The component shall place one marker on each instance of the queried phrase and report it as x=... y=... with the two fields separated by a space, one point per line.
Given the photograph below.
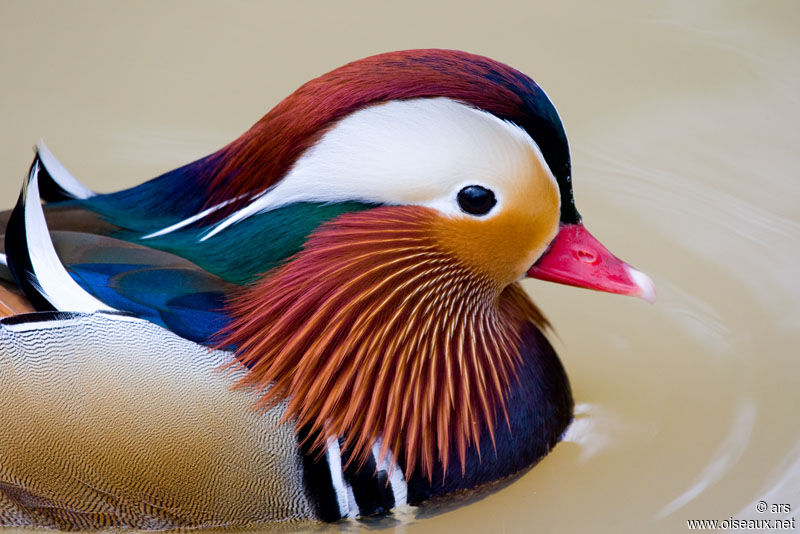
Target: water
x=682 y=118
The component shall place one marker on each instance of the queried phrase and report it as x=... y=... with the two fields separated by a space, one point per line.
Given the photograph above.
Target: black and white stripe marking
x=369 y=490
x=41 y=320
x=346 y=491
x=388 y=465
x=33 y=261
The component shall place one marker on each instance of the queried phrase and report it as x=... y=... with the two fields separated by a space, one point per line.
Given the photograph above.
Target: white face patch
x=407 y=152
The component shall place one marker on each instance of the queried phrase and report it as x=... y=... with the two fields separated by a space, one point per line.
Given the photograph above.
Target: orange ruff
x=372 y=330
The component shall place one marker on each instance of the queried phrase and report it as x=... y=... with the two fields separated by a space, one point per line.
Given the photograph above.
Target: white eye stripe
x=417 y=152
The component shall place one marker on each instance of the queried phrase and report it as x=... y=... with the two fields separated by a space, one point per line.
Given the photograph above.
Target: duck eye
x=476 y=200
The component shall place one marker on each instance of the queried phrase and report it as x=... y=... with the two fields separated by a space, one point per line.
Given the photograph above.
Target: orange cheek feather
x=504 y=246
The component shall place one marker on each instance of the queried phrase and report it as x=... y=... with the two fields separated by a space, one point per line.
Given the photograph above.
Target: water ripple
x=728 y=453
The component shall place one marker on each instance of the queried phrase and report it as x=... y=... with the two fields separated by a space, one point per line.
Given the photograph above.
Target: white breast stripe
x=52 y=279
x=351 y=501
x=340 y=486
x=3 y=259
x=61 y=175
x=396 y=479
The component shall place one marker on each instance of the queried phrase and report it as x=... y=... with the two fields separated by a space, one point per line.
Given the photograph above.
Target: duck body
x=319 y=321
x=108 y=432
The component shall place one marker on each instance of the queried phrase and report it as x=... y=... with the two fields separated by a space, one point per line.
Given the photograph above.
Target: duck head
x=402 y=320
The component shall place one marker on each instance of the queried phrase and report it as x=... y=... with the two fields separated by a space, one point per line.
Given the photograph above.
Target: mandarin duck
x=321 y=320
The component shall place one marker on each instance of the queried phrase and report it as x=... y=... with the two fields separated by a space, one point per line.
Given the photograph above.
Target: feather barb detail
x=373 y=331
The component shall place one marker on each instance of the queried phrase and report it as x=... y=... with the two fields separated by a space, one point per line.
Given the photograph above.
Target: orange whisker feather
x=373 y=331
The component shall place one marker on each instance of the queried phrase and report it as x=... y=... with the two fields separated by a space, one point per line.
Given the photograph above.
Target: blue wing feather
x=160 y=202
x=176 y=280
x=185 y=301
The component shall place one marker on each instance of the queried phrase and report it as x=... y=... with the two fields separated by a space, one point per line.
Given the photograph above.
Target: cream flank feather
x=106 y=431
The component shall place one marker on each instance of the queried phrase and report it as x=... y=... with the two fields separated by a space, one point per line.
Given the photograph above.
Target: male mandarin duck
x=321 y=320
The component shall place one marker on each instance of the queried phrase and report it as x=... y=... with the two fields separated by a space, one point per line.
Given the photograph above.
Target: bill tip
x=645 y=284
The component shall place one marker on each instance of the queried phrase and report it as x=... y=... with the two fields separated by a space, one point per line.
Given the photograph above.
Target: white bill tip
x=645 y=283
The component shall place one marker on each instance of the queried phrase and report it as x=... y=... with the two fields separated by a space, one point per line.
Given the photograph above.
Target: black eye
x=476 y=200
